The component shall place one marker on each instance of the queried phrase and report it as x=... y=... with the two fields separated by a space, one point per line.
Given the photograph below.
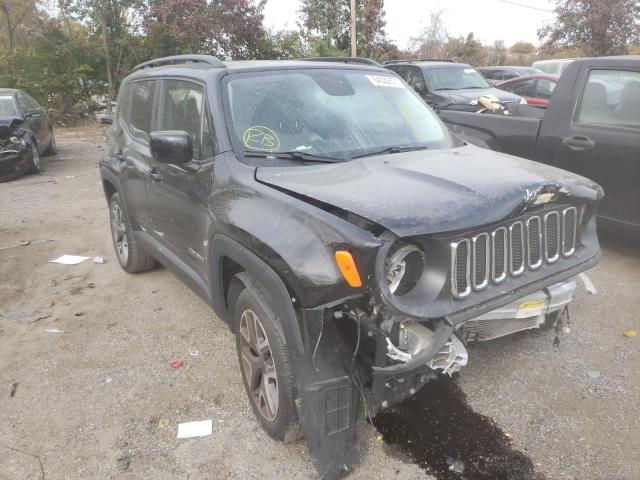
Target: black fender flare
x=287 y=323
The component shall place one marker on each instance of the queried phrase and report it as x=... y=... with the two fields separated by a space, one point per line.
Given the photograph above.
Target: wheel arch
x=233 y=268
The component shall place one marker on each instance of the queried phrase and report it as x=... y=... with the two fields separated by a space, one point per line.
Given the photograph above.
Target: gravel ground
x=101 y=401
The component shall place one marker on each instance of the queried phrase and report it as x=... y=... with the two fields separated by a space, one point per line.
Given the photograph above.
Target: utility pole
x=354 y=52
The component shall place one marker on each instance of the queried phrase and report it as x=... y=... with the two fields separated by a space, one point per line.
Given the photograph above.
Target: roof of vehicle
x=200 y=69
x=428 y=63
x=548 y=76
x=8 y=91
x=512 y=67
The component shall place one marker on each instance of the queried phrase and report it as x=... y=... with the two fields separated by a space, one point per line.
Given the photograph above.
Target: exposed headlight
x=16 y=140
x=403 y=268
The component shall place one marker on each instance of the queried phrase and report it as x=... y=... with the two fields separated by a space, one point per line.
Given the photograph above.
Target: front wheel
x=52 y=149
x=266 y=367
x=131 y=256
x=35 y=158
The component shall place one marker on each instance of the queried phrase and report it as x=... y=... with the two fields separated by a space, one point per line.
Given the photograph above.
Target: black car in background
x=446 y=84
x=591 y=127
x=498 y=74
x=25 y=134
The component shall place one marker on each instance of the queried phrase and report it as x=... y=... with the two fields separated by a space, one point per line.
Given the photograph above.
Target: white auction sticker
x=385 y=81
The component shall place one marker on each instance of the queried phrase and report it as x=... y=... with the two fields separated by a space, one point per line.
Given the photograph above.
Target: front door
x=34 y=119
x=602 y=142
x=179 y=194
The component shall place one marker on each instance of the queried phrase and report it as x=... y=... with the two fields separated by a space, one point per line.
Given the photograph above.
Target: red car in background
x=536 y=89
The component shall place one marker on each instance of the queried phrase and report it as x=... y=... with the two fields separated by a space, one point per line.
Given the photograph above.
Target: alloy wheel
x=36 y=156
x=258 y=365
x=119 y=233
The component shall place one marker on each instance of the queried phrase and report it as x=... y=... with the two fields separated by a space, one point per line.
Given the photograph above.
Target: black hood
x=8 y=126
x=469 y=95
x=425 y=192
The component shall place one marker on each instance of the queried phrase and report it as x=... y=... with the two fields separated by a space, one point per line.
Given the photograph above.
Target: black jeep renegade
x=351 y=242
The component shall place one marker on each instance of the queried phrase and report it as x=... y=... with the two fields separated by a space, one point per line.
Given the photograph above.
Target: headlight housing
x=403 y=267
x=16 y=140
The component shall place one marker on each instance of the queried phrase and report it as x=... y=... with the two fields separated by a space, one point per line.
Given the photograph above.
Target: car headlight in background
x=403 y=268
x=523 y=101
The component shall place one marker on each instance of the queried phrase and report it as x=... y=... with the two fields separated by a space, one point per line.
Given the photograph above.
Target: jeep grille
x=489 y=257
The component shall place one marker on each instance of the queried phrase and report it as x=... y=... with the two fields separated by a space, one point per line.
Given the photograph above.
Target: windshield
x=8 y=106
x=340 y=114
x=454 y=78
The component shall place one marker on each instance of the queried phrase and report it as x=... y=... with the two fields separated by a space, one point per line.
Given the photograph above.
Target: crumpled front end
x=15 y=151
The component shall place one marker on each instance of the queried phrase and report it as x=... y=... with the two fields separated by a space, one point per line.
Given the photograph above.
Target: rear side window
x=124 y=103
x=182 y=107
x=611 y=97
x=525 y=88
x=545 y=88
x=141 y=109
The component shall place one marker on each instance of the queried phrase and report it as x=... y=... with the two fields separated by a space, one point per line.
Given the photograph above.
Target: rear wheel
x=130 y=255
x=266 y=367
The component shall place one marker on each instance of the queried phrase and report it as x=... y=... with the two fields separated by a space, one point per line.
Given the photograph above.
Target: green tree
x=523 y=48
x=597 y=27
x=327 y=26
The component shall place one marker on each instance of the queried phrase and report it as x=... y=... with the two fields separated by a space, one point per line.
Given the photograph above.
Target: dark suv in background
x=328 y=216
x=446 y=84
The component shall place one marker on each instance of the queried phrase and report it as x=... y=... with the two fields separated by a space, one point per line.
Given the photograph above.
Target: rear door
x=602 y=139
x=136 y=117
x=179 y=194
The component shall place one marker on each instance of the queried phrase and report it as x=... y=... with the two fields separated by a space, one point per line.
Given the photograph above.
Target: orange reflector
x=348 y=268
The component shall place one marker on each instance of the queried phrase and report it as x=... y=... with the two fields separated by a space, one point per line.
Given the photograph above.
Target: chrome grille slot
x=516 y=248
x=534 y=242
x=569 y=230
x=460 y=269
x=551 y=236
x=500 y=256
x=508 y=250
x=481 y=261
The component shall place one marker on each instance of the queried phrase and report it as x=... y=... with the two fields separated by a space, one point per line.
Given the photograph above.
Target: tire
x=131 y=257
x=52 y=149
x=281 y=422
x=36 y=165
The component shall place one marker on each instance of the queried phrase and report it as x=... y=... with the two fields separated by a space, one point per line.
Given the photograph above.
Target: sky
x=489 y=20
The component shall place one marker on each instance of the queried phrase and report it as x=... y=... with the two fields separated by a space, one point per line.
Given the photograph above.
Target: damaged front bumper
x=14 y=159
x=421 y=353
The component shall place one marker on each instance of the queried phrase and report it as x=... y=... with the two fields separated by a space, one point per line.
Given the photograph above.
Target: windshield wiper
x=393 y=149
x=294 y=155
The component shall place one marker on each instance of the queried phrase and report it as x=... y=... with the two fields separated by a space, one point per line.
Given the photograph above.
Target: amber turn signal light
x=348 y=268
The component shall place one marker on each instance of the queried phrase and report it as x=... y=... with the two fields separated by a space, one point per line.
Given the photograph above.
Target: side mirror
x=32 y=112
x=171 y=146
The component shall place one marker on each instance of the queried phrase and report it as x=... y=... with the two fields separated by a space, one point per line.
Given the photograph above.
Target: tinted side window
x=545 y=88
x=124 y=103
x=22 y=102
x=525 y=87
x=509 y=74
x=141 y=108
x=611 y=97
x=402 y=71
x=31 y=103
x=415 y=78
x=181 y=107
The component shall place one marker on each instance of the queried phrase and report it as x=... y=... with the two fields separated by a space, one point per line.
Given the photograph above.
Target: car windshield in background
x=454 y=78
x=338 y=114
x=7 y=106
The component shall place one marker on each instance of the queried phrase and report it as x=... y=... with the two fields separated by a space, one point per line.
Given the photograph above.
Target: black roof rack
x=411 y=60
x=208 y=59
x=359 y=60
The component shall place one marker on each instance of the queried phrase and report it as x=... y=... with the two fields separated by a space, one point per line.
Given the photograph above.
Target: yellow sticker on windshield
x=261 y=138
